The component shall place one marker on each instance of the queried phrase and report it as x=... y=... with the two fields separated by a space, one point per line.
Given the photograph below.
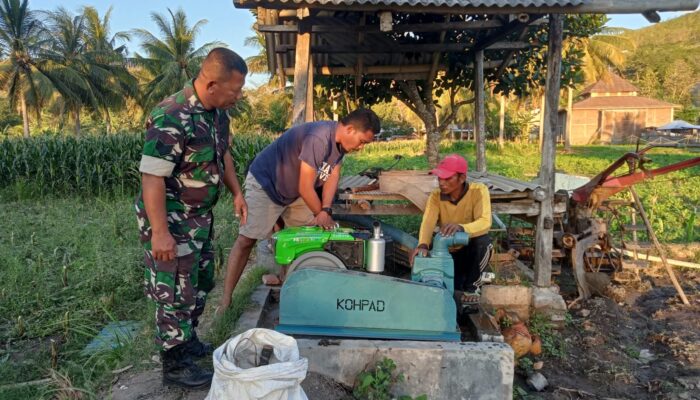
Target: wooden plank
x=545 y=220
x=479 y=111
x=301 y=78
x=414 y=187
x=377 y=209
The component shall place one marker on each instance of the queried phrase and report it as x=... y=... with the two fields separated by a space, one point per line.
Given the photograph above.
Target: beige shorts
x=263 y=212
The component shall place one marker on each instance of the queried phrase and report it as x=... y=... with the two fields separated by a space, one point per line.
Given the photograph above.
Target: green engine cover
x=331 y=302
x=290 y=243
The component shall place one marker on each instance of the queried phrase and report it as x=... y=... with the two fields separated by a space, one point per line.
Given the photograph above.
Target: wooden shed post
x=479 y=114
x=569 y=119
x=545 y=221
x=301 y=77
x=501 y=119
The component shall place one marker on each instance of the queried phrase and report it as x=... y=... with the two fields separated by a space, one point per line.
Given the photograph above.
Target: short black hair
x=363 y=119
x=228 y=59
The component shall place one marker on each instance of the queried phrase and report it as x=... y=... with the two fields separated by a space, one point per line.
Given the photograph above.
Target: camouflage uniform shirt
x=185 y=144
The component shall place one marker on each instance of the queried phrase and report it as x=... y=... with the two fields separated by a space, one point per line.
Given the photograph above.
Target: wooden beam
x=479 y=112
x=387 y=69
x=588 y=7
x=545 y=220
x=501 y=33
x=309 y=113
x=403 y=48
x=400 y=28
x=301 y=78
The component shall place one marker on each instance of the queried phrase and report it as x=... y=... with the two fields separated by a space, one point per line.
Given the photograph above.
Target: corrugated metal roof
x=441 y=3
x=349 y=182
x=495 y=183
x=613 y=102
x=501 y=183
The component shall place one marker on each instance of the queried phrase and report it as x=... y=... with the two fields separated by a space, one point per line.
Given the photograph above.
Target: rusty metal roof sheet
x=444 y=3
x=495 y=183
x=349 y=182
x=503 y=184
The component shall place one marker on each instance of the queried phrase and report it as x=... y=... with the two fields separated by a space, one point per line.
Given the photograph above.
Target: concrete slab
x=441 y=370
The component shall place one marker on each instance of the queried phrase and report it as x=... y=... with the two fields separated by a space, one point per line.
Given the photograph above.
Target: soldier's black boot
x=197 y=348
x=180 y=370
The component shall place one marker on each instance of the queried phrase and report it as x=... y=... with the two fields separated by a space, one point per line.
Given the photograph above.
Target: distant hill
x=664 y=48
x=659 y=44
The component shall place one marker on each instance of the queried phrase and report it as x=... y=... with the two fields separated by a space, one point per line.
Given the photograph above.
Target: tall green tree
x=108 y=51
x=604 y=53
x=20 y=42
x=421 y=96
x=257 y=64
x=172 y=59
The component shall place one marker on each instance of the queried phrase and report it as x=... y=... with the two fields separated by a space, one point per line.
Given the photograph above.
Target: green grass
x=224 y=326
x=69 y=266
x=672 y=200
x=71 y=261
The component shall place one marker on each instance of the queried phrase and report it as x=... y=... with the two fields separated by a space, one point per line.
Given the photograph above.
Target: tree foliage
x=526 y=75
x=171 y=59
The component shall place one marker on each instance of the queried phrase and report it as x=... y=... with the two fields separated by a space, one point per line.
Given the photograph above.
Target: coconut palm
x=103 y=49
x=605 y=53
x=95 y=79
x=20 y=41
x=98 y=38
x=172 y=59
x=257 y=64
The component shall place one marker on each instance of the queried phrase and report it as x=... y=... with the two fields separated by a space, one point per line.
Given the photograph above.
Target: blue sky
x=226 y=23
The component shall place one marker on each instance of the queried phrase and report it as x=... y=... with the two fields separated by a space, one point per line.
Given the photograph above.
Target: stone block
x=511 y=298
x=548 y=301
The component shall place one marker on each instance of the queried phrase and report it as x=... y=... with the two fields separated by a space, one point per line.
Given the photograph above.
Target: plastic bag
x=237 y=376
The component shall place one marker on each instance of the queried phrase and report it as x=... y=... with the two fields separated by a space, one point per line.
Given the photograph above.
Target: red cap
x=450 y=165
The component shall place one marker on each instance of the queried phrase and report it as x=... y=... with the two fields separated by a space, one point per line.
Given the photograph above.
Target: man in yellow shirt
x=459 y=206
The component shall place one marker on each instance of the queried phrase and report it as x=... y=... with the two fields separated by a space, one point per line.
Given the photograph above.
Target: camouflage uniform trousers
x=179 y=289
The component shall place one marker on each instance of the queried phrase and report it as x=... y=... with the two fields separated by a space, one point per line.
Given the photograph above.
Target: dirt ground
x=641 y=342
x=638 y=342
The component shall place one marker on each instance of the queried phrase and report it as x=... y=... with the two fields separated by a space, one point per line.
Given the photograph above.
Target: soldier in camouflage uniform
x=184 y=166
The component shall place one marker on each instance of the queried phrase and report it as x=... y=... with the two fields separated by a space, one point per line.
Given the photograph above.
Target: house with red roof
x=611 y=111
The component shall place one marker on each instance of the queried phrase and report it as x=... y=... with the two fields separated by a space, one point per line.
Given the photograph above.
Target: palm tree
x=605 y=53
x=65 y=64
x=171 y=60
x=257 y=64
x=82 y=69
x=97 y=35
x=102 y=49
x=20 y=41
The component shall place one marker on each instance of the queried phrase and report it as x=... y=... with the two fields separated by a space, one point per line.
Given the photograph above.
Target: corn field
x=89 y=165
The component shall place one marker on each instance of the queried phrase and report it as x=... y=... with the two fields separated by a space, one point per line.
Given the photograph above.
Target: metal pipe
x=441 y=243
x=396 y=234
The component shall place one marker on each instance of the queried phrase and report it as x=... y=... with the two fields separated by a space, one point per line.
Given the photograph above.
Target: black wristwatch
x=328 y=210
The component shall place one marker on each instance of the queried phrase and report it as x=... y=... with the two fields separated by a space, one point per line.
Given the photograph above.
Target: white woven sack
x=276 y=381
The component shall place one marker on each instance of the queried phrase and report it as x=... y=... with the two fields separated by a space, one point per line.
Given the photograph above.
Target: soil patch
x=644 y=344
